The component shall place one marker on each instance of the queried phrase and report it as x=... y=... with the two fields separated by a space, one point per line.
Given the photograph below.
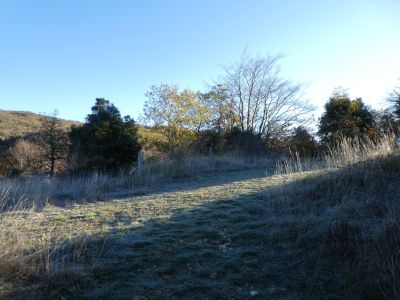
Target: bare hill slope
x=20 y=123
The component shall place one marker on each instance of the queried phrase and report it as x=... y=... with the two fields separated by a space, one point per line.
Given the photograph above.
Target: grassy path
x=124 y=213
x=234 y=235
x=215 y=238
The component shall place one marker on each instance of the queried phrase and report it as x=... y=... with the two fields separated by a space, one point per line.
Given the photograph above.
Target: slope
x=20 y=123
x=315 y=235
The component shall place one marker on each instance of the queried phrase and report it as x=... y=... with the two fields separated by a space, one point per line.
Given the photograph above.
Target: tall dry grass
x=350 y=226
x=21 y=257
x=41 y=253
x=37 y=191
x=353 y=191
x=26 y=257
x=344 y=153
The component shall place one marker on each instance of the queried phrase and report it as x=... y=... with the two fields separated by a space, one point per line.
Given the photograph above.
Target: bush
x=303 y=142
x=7 y=164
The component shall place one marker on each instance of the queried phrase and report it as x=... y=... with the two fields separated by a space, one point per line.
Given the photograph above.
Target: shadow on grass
x=282 y=243
x=11 y=198
x=208 y=179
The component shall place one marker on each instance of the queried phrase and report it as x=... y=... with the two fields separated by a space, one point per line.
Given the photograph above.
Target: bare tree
x=27 y=156
x=53 y=142
x=264 y=103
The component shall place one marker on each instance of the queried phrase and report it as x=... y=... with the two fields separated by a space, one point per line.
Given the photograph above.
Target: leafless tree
x=264 y=103
x=27 y=156
x=53 y=142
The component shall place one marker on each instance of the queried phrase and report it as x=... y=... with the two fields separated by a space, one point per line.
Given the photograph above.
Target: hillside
x=20 y=123
x=323 y=234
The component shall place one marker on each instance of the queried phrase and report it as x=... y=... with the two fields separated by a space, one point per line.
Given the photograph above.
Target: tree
x=222 y=117
x=394 y=99
x=302 y=142
x=52 y=141
x=244 y=142
x=42 y=152
x=263 y=103
x=106 y=141
x=178 y=115
x=344 y=117
x=27 y=157
x=385 y=122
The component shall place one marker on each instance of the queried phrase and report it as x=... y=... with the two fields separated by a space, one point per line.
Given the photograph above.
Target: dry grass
x=64 y=191
x=20 y=123
x=345 y=153
x=309 y=232
x=354 y=226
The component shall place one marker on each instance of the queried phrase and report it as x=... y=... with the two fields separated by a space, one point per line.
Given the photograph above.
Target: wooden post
x=139 y=166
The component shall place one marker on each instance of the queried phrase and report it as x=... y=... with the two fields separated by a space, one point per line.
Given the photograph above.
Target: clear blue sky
x=64 y=54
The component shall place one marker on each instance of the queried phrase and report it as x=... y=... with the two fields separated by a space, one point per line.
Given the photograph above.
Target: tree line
x=250 y=110
x=251 y=102
x=105 y=142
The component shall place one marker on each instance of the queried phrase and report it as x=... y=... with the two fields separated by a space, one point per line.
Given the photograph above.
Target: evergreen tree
x=344 y=117
x=302 y=142
x=106 y=141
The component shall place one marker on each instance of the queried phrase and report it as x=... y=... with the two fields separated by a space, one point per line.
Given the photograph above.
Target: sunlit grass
x=308 y=233
x=20 y=123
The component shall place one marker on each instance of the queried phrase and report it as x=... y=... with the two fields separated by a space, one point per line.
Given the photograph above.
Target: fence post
x=139 y=166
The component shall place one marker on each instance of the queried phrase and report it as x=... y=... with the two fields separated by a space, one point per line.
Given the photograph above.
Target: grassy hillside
x=328 y=233
x=19 y=123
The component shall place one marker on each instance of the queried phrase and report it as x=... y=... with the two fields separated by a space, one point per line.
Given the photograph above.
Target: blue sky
x=64 y=54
